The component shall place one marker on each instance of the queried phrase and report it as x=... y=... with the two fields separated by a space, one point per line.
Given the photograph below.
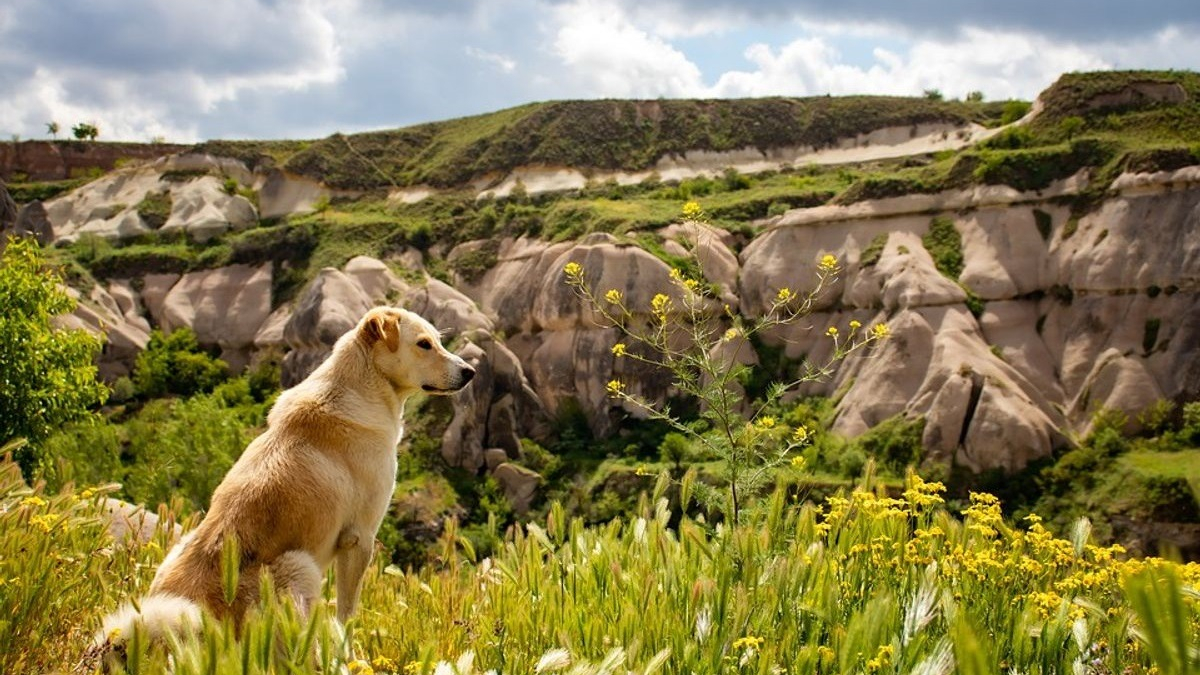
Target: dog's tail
x=154 y=619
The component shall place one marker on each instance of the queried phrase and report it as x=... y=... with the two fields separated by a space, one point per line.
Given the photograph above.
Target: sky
x=185 y=70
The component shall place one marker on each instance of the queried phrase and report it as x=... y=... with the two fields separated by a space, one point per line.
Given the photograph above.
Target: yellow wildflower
x=44 y=521
x=832 y=331
x=618 y=349
x=826 y=654
x=730 y=334
x=692 y=210
x=800 y=435
x=785 y=294
x=615 y=387
x=880 y=331
x=360 y=667
x=661 y=304
x=412 y=667
x=828 y=263
x=766 y=422
x=33 y=500
x=573 y=269
x=87 y=493
x=383 y=663
x=798 y=462
x=748 y=642
x=613 y=296
x=855 y=324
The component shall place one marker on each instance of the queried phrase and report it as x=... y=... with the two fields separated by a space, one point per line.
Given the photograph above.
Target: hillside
x=605 y=135
x=1009 y=256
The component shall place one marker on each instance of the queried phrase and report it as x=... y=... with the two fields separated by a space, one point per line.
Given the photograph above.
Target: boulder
x=133 y=524
x=519 y=484
x=330 y=305
x=203 y=209
x=32 y=221
x=224 y=306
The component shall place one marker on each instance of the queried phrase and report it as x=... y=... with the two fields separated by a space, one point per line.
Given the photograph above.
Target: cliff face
x=1015 y=314
x=59 y=160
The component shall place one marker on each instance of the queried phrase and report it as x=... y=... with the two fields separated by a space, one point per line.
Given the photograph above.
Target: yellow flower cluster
x=828 y=263
x=748 y=642
x=692 y=211
x=614 y=387
x=613 y=296
x=618 y=349
x=573 y=270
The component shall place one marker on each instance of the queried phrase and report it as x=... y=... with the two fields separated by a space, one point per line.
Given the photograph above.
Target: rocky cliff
x=1065 y=298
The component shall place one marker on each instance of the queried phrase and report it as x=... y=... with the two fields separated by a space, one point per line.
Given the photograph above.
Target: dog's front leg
x=353 y=556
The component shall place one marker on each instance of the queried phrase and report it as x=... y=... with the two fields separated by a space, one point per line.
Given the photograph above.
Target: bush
x=944 y=244
x=895 y=443
x=182 y=449
x=1014 y=110
x=48 y=375
x=174 y=364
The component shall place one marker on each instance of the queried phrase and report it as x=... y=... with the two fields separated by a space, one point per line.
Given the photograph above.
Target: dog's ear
x=385 y=327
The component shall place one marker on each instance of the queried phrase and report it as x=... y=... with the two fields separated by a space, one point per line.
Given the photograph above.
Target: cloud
x=1076 y=20
x=606 y=54
x=137 y=68
x=1002 y=65
x=498 y=61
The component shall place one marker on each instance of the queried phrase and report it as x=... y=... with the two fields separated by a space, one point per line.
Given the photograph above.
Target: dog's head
x=408 y=352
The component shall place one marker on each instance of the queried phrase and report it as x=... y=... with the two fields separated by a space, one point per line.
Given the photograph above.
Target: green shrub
x=1014 y=110
x=944 y=244
x=48 y=375
x=180 y=449
x=174 y=364
x=155 y=208
x=871 y=254
x=895 y=443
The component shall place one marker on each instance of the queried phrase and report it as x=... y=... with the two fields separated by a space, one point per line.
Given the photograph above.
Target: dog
x=308 y=493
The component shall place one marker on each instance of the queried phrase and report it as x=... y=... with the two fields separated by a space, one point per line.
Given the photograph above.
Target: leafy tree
x=47 y=376
x=85 y=130
x=933 y=94
x=975 y=96
x=175 y=364
x=52 y=128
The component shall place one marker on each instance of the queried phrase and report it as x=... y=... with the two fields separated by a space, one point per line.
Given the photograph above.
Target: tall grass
x=864 y=583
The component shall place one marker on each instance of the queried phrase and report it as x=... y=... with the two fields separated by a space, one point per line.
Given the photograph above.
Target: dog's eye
x=425 y=343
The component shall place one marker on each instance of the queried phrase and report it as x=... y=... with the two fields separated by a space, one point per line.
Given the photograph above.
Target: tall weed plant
x=706 y=347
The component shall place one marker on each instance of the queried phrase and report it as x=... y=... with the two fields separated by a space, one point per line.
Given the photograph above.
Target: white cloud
x=1000 y=64
x=499 y=61
x=606 y=54
x=158 y=65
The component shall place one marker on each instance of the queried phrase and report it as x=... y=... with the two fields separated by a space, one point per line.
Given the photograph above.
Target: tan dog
x=309 y=492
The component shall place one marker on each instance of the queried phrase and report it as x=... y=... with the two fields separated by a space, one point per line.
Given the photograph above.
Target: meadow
x=869 y=581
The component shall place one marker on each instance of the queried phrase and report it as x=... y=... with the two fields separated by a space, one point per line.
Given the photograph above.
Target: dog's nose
x=467 y=373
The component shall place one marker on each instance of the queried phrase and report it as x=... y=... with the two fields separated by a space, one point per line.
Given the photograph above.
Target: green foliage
x=1070 y=126
x=25 y=192
x=85 y=131
x=895 y=443
x=1014 y=110
x=748 y=444
x=944 y=244
x=887 y=585
x=174 y=364
x=155 y=208
x=604 y=135
x=870 y=254
x=47 y=375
